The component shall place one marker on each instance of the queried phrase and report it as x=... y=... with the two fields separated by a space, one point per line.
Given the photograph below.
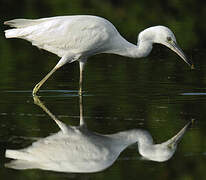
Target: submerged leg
x=81 y=69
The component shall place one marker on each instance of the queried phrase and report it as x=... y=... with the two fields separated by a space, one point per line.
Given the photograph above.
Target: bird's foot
x=80 y=92
x=36 y=99
x=35 y=90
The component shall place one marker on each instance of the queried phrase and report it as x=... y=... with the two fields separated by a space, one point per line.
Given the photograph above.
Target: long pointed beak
x=171 y=143
x=174 y=46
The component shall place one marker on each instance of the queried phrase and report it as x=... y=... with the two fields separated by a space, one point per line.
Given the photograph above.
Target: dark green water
x=159 y=94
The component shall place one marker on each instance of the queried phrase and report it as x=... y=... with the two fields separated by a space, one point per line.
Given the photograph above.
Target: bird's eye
x=169 y=39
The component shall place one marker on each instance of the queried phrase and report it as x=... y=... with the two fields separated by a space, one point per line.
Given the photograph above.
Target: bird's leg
x=81 y=69
x=61 y=125
x=61 y=62
x=38 y=102
x=36 y=88
x=81 y=119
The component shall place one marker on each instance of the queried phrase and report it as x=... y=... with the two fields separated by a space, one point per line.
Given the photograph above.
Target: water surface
x=155 y=95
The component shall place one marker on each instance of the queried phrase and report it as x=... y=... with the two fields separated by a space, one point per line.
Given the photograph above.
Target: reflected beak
x=174 y=46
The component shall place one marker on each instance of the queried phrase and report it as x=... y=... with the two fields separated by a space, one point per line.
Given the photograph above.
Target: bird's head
x=163 y=35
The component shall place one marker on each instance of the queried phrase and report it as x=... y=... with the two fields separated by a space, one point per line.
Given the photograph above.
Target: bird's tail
x=22 y=164
x=18 y=154
x=14 y=33
x=19 y=25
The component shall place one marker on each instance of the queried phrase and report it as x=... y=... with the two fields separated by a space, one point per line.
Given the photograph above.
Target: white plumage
x=64 y=35
x=79 y=37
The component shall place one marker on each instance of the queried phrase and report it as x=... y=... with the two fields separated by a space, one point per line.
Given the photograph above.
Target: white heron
x=75 y=38
x=77 y=149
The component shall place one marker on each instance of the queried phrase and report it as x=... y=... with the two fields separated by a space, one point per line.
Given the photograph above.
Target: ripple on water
x=193 y=94
x=50 y=93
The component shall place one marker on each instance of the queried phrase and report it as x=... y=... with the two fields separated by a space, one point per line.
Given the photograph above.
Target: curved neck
x=125 y=48
x=126 y=138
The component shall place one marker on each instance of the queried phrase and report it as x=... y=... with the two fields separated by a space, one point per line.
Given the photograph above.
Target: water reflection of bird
x=75 y=38
x=76 y=149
